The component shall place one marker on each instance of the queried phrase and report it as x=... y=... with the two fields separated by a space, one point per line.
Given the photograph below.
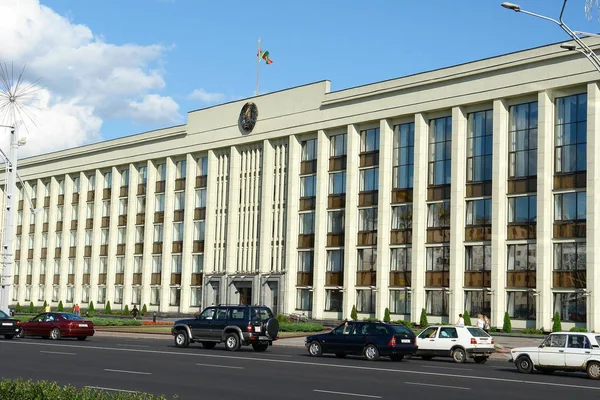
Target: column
x=291 y=236
x=130 y=238
x=211 y=220
x=96 y=236
x=115 y=188
x=165 y=287
x=457 y=212
x=351 y=219
x=188 y=234
x=545 y=201
x=320 y=253
x=233 y=210
x=593 y=208
x=266 y=215
x=499 y=206
x=148 y=234
x=386 y=148
x=419 y=222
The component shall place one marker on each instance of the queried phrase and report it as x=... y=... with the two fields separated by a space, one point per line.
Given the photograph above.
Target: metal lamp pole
x=9 y=222
x=583 y=48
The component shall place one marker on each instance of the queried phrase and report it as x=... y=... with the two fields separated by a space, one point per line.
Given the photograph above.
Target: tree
x=506 y=326
x=107 y=309
x=144 y=310
x=423 y=319
x=91 y=307
x=18 y=308
x=467 y=318
x=60 y=306
x=45 y=304
x=31 y=308
x=386 y=316
x=556 y=325
x=354 y=314
x=126 y=310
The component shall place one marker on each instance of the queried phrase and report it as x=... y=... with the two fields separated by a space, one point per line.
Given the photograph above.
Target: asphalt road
x=156 y=366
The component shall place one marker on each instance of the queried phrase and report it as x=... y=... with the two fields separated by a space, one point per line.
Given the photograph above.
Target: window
x=120 y=268
x=124 y=176
x=181 y=169
x=159 y=203
x=139 y=234
x=161 y=172
x=179 y=201
x=401 y=259
x=123 y=206
x=477 y=302
x=17 y=268
x=20 y=217
x=337 y=183
x=479 y=212
x=121 y=236
x=106 y=208
x=335 y=221
x=367 y=219
x=55 y=290
x=76 y=185
x=89 y=210
x=367 y=260
x=440 y=151
x=158 y=233
x=176 y=263
x=27 y=293
x=571 y=134
x=175 y=296
x=61 y=187
x=438 y=215
x=202 y=166
x=31 y=241
x=196 y=297
x=74 y=212
x=60 y=210
x=118 y=294
x=41 y=293
x=104 y=237
x=155 y=296
x=30 y=267
x=305 y=261
x=44 y=240
x=334 y=300
x=303 y=299
x=400 y=302
x=338 y=145
x=438 y=258
x=570 y=206
x=34 y=191
x=103 y=265
x=46 y=189
x=335 y=260
x=436 y=302
x=101 y=294
x=520 y=305
x=522 y=156
x=143 y=175
x=522 y=210
x=85 y=294
x=369 y=140
x=365 y=301
x=56 y=266
x=156 y=264
x=521 y=257
x=570 y=256
x=108 y=180
x=178 y=232
x=200 y=198
x=404 y=142
x=309 y=150
x=197 y=263
x=43 y=267
x=307 y=223
x=141 y=204
x=73 y=238
x=87 y=265
x=571 y=306
x=58 y=239
x=91 y=182
x=138 y=264
x=402 y=217
x=308 y=186
x=478 y=258
x=199 y=231
x=369 y=179
x=45 y=215
x=18 y=244
x=479 y=147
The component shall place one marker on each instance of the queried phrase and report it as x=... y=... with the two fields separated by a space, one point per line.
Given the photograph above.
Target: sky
x=112 y=68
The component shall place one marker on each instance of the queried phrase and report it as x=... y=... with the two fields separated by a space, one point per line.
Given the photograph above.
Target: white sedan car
x=458 y=342
x=565 y=351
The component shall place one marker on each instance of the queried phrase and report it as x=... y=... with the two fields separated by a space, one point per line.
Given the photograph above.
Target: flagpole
x=257 y=67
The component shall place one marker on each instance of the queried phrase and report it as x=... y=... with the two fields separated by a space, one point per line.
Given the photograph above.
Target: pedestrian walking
x=461 y=320
x=76 y=310
x=486 y=324
x=47 y=308
x=134 y=312
x=480 y=321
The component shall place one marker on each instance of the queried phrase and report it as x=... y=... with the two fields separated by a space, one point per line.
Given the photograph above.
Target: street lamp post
x=583 y=48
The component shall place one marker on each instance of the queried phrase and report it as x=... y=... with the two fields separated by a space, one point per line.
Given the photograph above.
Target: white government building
x=464 y=188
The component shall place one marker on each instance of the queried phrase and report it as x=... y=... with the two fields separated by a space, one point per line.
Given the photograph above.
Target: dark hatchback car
x=369 y=339
x=9 y=327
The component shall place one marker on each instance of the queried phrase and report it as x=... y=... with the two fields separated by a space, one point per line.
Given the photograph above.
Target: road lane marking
x=219 y=366
x=110 y=389
x=58 y=352
x=132 y=345
x=438 y=386
x=347 y=394
x=455 y=369
x=127 y=372
x=340 y=366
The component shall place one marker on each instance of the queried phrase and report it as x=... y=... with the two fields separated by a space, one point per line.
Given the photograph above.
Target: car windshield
x=72 y=317
x=262 y=313
x=401 y=329
x=3 y=315
x=477 y=332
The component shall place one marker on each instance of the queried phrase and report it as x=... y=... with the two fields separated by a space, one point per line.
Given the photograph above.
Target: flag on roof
x=265 y=56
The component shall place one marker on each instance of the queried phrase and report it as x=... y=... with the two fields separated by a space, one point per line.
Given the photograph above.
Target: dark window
x=522 y=210
x=571 y=134
x=479 y=212
x=404 y=142
x=522 y=156
x=440 y=151
x=479 y=147
x=570 y=206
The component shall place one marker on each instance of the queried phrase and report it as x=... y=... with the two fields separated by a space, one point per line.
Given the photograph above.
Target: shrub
x=126 y=310
x=506 y=326
x=31 y=309
x=98 y=321
x=107 y=309
x=60 y=307
x=18 y=308
x=408 y=324
x=45 y=304
x=532 y=331
x=370 y=319
x=386 y=315
x=575 y=329
x=354 y=314
x=423 y=319
x=144 y=310
x=556 y=325
x=493 y=329
x=34 y=390
x=91 y=308
x=300 y=327
x=467 y=318
x=282 y=318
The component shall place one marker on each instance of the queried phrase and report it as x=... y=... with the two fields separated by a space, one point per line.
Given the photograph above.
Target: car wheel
x=8 y=337
x=232 y=342
x=21 y=334
x=315 y=349
x=181 y=339
x=426 y=358
x=593 y=370
x=82 y=338
x=340 y=355
x=480 y=359
x=260 y=347
x=459 y=355
x=209 y=345
x=524 y=365
x=396 y=357
x=371 y=352
x=55 y=334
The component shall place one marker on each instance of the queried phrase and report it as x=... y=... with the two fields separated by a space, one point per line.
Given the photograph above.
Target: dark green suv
x=233 y=325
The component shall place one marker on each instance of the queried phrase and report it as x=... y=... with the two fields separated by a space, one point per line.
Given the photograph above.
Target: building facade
x=465 y=188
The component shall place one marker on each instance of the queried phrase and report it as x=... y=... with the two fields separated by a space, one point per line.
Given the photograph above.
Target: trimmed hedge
x=19 y=389
x=300 y=327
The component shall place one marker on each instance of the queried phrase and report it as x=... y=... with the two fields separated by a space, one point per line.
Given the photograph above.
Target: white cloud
x=86 y=79
x=206 y=97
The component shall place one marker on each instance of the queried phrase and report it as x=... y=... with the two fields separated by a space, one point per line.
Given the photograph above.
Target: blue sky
x=211 y=45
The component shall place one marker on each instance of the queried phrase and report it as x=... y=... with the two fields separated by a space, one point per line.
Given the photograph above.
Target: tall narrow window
x=440 y=151
x=309 y=150
x=571 y=134
x=479 y=147
x=404 y=142
x=522 y=156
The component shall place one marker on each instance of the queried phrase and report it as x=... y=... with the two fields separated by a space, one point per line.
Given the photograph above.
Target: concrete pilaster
x=211 y=220
x=113 y=236
x=351 y=219
x=130 y=239
x=233 y=210
x=188 y=234
x=266 y=208
x=291 y=237
x=165 y=291
x=149 y=233
x=320 y=254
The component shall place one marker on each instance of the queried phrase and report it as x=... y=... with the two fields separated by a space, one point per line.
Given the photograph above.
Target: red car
x=55 y=325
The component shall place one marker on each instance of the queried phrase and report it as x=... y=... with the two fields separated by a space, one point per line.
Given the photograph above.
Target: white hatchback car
x=565 y=351
x=458 y=342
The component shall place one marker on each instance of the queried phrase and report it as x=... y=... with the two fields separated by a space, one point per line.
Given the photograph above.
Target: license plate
x=405 y=340
x=7 y=324
x=257 y=329
x=83 y=325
